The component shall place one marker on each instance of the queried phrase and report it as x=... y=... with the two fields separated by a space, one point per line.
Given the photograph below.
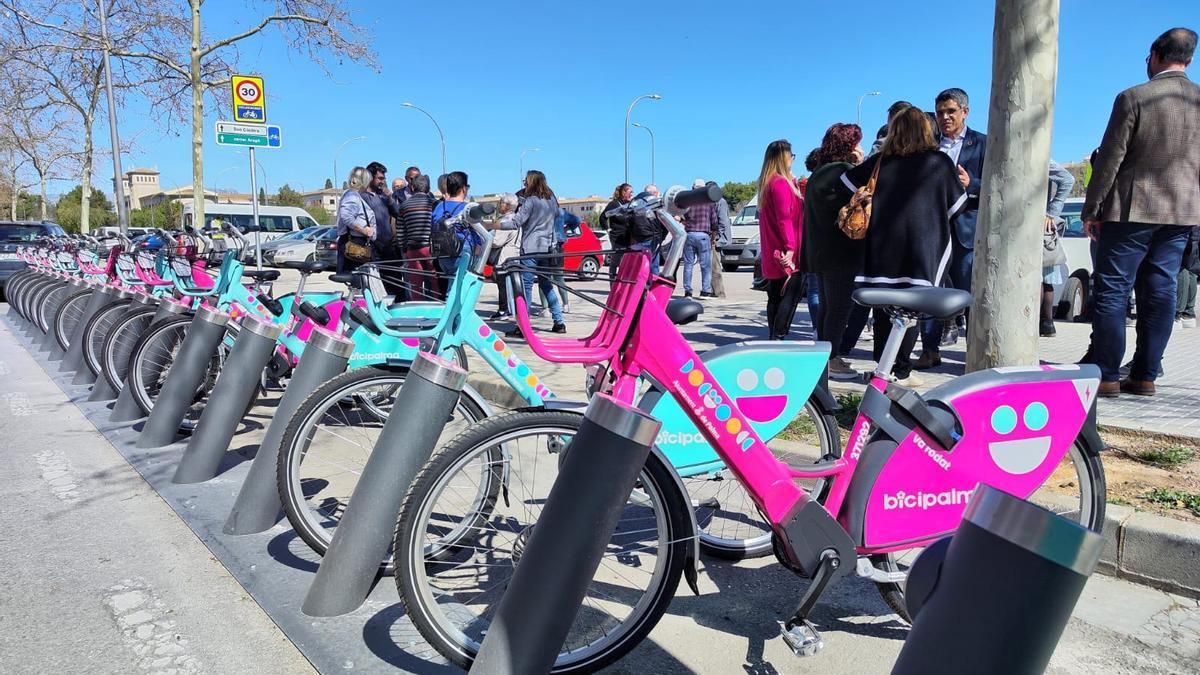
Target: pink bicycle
x=911 y=466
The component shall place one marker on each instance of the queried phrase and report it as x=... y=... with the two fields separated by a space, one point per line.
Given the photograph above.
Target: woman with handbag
x=535 y=221
x=901 y=204
x=1053 y=256
x=355 y=223
x=779 y=227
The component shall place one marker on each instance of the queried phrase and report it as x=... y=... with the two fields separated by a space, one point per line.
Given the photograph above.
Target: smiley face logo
x=762 y=401
x=1020 y=456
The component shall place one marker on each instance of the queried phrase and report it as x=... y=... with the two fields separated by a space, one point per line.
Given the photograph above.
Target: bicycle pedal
x=803 y=638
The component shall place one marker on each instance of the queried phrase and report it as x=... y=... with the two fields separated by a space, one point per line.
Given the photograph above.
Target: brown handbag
x=356 y=252
x=855 y=217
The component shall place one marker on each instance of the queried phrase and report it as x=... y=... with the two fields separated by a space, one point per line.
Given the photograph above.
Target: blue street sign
x=274 y=137
x=249 y=113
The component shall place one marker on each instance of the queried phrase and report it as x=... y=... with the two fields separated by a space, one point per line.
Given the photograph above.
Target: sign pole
x=254 y=208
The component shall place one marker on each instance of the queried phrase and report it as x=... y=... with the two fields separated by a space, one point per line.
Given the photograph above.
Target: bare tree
x=175 y=45
x=1008 y=257
x=50 y=45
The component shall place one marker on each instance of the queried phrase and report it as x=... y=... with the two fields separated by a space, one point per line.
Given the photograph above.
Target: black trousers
x=782 y=297
x=835 y=288
x=883 y=326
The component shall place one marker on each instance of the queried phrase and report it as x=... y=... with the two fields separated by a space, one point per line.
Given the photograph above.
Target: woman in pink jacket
x=780 y=216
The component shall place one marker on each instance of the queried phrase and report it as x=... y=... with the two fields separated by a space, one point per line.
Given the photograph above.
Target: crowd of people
x=923 y=177
x=924 y=173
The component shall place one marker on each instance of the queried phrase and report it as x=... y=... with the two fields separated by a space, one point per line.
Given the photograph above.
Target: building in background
x=326 y=199
x=139 y=184
x=584 y=206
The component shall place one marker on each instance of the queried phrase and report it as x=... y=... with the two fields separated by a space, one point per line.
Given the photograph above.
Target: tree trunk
x=197 y=121
x=1008 y=259
x=42 y=187
x=85 y=180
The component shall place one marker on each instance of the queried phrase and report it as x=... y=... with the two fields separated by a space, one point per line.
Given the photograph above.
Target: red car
x=579 y=253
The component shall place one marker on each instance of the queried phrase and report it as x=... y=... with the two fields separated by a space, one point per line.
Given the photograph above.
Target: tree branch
x=262 y=24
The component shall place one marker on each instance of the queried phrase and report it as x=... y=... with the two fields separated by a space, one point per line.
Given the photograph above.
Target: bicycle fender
x=1089 y=434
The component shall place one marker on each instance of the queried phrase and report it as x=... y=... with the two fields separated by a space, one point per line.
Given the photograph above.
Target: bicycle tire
x=27 y=291
x=97 y=329
x=68 y=316
x=736 y=511
x=315 y=524
x=1093 y=490
x=50 y=304
x=656 y=486
x=160 y=343
x=118 y=346
x=36 y=300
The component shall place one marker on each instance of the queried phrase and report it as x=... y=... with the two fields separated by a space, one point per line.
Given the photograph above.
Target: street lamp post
x=629 y=112
x=437 y=126
x=860 y=100
x=523 y=158
x=339 y=152
x=643 y=126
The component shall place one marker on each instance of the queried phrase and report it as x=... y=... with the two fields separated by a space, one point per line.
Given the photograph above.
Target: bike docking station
x=204 y=335
x=102 y=390
x=257 y=506
x=73 y=361
x=126 y=408
x=231 y=396
x=85 y=376
x=996 y=596
x=351 y=565
x=546 y=591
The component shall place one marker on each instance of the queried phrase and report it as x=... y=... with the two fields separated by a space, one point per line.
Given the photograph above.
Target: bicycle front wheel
x=97 y=329
x=155 y=353
x=119 y=344
x=467 y=519
x=327 y=443
x=68 y=315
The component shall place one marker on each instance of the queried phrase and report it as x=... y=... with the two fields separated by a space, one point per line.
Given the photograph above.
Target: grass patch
x=1175 y=499
x=1120 y=501
x=849 y=412
x=1168 y=456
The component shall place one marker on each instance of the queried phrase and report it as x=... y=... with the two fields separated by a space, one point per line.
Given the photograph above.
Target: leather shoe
x=1109 y=390
x=1137 y=387
x=929 y=359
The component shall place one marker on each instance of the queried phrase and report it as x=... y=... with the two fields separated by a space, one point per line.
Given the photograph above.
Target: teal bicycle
x=333 y=432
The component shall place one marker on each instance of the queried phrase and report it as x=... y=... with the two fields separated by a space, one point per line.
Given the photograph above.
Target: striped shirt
x=415 y=221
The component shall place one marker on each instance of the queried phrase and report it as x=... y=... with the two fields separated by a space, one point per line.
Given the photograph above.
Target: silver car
x=1071 y=297
x=294 y=247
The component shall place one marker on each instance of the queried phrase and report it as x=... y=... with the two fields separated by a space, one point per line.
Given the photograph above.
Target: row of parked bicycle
x=823 y=503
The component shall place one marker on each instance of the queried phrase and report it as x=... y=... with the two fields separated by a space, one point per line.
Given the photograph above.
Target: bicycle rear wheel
x=1077 y=490
x=468 y=516
x=327 y=443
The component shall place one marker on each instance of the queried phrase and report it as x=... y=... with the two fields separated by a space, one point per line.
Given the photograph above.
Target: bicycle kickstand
x=798 y=632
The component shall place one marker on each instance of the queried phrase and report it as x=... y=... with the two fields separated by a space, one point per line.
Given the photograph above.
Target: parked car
x=580 y=252
x=307 y=233
x=1071 y=297
x=743 y=247
x=300 y=249
x=325 y=245
x=14 y=233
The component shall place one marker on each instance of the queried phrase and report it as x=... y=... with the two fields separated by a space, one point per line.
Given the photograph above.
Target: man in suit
x=1143 y=196
x=966 y=147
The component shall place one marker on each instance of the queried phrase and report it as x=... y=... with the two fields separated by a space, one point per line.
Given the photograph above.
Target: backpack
x=444 y=242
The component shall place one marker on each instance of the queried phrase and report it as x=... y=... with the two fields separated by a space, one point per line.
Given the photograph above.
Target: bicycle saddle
x=347 y=278
x=683 y=311
x=305 y=267
x=940 y=303
x=261 y=275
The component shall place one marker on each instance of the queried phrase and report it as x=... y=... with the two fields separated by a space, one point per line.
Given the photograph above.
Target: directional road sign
x=249 y=135
x=249 y=100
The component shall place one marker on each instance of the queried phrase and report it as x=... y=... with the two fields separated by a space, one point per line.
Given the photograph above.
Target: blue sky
x=501 y=77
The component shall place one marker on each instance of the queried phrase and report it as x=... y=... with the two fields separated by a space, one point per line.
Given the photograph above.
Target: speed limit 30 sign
x=249 y=100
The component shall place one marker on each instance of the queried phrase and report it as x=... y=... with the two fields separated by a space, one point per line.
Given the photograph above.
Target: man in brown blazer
x=1143 y=197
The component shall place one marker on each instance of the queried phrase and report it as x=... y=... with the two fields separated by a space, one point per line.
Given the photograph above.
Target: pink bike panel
x=1013 y=438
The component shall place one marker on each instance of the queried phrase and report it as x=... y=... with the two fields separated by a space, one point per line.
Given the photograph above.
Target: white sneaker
x=1189 y=323
x=911 y=381
x=1178 y=324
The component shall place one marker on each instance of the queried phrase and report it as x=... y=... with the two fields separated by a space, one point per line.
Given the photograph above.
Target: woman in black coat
x=916 y=196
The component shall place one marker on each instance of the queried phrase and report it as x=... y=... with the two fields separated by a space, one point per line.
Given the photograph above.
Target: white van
x=273 y=221
x=743 y=246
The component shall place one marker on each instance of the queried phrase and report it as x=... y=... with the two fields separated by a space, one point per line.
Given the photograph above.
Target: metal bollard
x=365 y=530
x=187 y=371
x=47 y=341
x=101 y=296
x=235 y=388
x=102 y=390
x=996 y=597
x=547 y=588
x=85 y=375
x=257 y=507
x=126 y=408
